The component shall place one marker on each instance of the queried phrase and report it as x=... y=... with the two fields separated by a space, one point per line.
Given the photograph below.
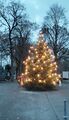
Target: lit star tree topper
x=40 y=67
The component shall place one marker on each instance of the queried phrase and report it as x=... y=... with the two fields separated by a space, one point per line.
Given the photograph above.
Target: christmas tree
x=40 y=67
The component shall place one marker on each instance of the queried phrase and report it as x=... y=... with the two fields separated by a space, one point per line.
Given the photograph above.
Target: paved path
x=19 y=104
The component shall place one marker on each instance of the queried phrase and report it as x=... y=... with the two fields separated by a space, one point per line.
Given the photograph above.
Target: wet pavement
x=19 y=104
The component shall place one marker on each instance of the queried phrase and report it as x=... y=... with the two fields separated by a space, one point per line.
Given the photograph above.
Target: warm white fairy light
x=23 y=62
x=29 y=51
x=34 y=69
x=36 y=52
x=55 y=63
x=36 y=56
x=44 y=62
x=37 y=66
x=28 y=80
x=29 y=58
x=50 y=70
x=32 y=61
x=38 y=61
x=55 y=74
x=21 y=83
x=27 y=66
x=38 y=75
x=51 y=64
x=22 y=74
x=44 y=81
x=26 y=72
x=43 y=56
x=40 y=81
x=49 y=76
x=40 y=65
x=35 y=49
x=54 y=83
x=41 y=68
x=31 y=47
x=59 y=76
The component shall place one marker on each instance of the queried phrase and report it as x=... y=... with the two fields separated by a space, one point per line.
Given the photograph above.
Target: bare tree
x=22 y=38
x=55 y=30
x=10 y=18
x=16 y=29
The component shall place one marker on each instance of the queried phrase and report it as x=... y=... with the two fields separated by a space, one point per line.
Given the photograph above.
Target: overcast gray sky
x=37 y=8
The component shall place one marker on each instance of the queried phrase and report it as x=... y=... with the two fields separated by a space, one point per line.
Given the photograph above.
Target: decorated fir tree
x=40 y=67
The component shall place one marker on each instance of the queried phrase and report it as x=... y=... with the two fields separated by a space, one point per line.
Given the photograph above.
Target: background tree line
x=16 y=30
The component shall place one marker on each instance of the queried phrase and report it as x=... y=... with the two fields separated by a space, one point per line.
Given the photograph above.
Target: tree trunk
x=11 y=57
x=12 y=68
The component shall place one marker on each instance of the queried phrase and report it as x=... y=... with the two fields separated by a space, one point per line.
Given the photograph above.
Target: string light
x=38 y=61
x=31 y=47
x=35 y=49
x=34 y=69
x=26 y=73
x=44 y=62
x=40 y=66
x=23 y=62
x=26 y=70
x=27 y=66
x=29 y=80
x=51 y=64
x=40 y=81
x=29 y=58
x=22 y=74
x=29 y=51
x=59 y=76
x=57 y=79
x=55 y=63
x=49 y=76
x=38 y=75
x=21 y=83
x=51 y=70
x=43 y=56
x=32 y=61
x=37 y=66
x=54 y=83
x=36 y=52
x=44 y=81
x=36 y=56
